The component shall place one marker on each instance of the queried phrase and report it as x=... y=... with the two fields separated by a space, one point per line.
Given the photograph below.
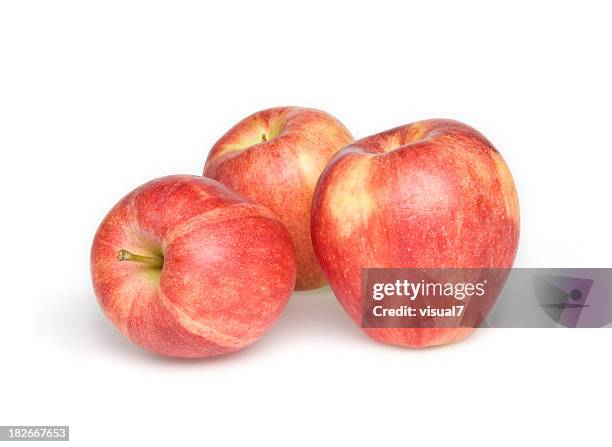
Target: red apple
x=186 y=268
x=275 y=157
x=432 y=194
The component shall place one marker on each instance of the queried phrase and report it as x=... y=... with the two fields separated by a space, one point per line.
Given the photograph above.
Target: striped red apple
x=184 y=267
x=275 y=157
x=432 y=194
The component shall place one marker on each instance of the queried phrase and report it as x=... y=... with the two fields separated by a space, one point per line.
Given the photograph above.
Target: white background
x=99 y=97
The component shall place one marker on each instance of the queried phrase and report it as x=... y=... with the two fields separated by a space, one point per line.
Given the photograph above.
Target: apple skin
x=432 y=194
x=228 y=267
x=281 y=172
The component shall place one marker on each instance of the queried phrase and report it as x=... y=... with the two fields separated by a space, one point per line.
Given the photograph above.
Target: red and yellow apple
x=432 y=194
x=184 y=267
x=275 y=157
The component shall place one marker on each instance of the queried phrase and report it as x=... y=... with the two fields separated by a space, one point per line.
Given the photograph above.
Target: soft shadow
x=317 y=314
x=74 y=323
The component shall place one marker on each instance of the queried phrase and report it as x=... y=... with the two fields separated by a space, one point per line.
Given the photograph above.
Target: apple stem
x=152 y=261
x=264 y=138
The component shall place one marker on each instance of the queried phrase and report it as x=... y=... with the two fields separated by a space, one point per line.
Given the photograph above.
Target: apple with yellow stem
x=429 y=195
x=275 y=157
x=186 y=268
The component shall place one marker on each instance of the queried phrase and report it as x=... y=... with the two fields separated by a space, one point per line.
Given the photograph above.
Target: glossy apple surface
x=432 y=194
x=275 y=157
x=186 y=268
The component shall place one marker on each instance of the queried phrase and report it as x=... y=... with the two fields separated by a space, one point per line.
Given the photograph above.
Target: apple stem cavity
x=151 y=261
x=264 y=138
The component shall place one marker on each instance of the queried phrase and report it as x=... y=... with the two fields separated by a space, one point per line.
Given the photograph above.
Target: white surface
x=96 y=99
